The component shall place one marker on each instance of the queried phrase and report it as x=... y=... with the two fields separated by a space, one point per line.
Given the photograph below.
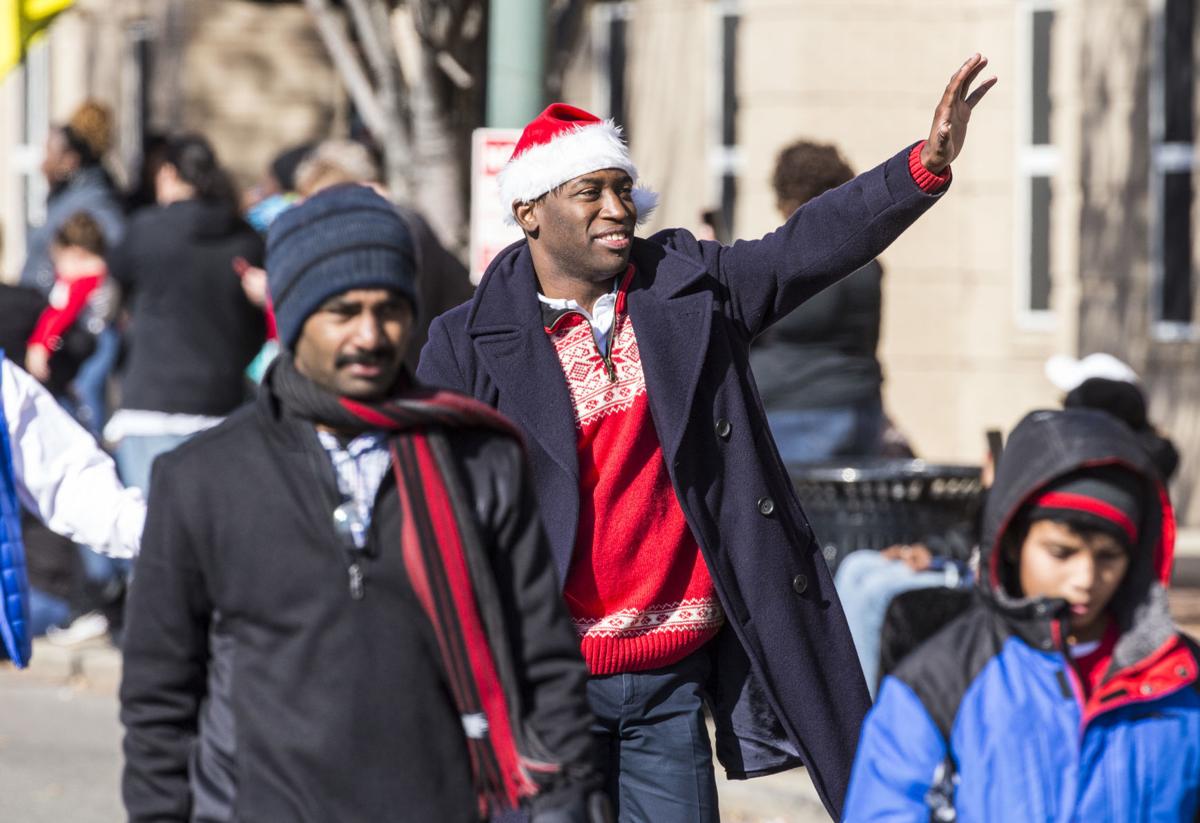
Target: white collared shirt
x=62 y=475
x=360 y=466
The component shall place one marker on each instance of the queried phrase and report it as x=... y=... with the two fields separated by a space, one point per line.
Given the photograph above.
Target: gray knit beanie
x=345 y=237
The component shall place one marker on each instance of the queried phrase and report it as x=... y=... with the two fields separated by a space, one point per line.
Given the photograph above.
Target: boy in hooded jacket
x=1064 y=691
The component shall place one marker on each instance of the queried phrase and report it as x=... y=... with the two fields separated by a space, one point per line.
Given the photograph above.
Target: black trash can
x=873 y=504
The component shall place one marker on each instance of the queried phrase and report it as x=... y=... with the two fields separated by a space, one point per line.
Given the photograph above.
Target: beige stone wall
x=958 y=358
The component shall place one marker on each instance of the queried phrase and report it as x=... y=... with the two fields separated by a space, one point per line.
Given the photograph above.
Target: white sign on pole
x=490 y=150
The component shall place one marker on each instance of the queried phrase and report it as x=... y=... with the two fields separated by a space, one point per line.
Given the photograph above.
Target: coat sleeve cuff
x=926 y=180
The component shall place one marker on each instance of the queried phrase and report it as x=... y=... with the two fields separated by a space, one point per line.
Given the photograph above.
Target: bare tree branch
x=337 y=43
x=374 y=46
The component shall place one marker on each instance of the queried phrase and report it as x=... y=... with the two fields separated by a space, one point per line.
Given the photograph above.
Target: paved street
x=59 y=746
x=60 y=749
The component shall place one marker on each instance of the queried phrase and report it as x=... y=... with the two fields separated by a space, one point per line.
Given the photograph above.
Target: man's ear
x=526 y=217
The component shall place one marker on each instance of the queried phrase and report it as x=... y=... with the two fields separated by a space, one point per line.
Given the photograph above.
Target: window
x=610 y=29
x=725 y=161
x=1172 y=163
x=1037 y=165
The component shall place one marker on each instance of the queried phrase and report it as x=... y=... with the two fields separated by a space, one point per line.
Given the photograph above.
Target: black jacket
x=256 y=689
x=823 y=354
x=193 y=331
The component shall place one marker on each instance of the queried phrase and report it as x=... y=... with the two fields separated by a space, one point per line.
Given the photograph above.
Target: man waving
x=687 y=565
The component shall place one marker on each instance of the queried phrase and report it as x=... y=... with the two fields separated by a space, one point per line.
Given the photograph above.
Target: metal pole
x=516 y=62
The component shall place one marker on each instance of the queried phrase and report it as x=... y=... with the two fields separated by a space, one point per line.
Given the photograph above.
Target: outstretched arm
x=841 y=230
x=63 y=476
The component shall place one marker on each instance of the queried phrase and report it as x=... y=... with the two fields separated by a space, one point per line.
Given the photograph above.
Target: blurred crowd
x=144 y=312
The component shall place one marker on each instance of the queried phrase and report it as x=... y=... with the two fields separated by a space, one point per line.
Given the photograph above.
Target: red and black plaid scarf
x=444 y=558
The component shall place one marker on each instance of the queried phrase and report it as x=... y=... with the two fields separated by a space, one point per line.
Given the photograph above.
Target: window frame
x=1168 y=158
x=1033 y=161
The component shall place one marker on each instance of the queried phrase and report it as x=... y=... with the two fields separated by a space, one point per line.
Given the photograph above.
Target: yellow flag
x=20 y=22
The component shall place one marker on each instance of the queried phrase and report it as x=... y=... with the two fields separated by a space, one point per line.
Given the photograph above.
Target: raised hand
x=953 y=113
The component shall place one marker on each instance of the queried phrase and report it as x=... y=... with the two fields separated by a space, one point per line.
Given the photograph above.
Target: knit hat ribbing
x=560 y=144
x=1107 y=498
x=346 y=237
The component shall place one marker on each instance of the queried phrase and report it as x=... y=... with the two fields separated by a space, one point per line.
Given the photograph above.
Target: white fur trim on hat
x=543 y=168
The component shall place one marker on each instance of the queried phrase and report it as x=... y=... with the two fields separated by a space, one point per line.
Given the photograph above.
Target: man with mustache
x=687 y=565
x=344 y=608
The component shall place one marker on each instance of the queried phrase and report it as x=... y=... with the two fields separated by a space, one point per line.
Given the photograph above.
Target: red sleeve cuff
x=926 y=180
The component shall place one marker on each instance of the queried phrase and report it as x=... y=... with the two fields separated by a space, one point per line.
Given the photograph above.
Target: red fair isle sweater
x=638 y=590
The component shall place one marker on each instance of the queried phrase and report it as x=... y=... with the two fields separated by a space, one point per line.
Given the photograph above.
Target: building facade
x=1071 y=224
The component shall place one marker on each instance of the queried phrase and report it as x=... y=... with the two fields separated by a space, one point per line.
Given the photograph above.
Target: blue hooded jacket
x=988 y=721
x=14 y=594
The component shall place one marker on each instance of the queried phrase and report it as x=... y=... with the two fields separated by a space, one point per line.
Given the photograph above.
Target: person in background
x=141 y=193
x=55 y=470
x=73 y=167
x=79 y=270
x=1101 y=381
x=1064 y=691
x=192 y=332
x=276 y=193
x=816 y=369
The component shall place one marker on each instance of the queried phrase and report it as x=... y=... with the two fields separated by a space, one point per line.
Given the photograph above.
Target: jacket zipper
x=606 y=355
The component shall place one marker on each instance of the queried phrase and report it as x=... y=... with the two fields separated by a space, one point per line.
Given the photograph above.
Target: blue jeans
x=135 y=455
x=866 y=582
x=654 y=744
x=91 y=382
x=817 y=435
x=46 y=610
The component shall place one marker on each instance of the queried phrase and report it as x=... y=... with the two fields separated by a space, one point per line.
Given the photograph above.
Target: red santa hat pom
x=560 y=144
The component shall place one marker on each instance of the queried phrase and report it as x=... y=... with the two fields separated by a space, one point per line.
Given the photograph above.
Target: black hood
x=1045 y=446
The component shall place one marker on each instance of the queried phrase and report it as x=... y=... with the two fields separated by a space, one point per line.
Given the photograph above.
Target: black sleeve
x=556 y=726
x=165 y=660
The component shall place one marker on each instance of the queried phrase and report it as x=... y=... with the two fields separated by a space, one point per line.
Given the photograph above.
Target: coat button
x=800 y=584
x=1146 y=688
x=766 y=506
x=723 y=427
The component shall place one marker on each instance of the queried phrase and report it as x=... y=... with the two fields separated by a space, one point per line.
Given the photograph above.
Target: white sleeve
x=62 y=474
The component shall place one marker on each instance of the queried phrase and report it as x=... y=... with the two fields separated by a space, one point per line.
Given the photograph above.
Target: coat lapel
x=672 y=322
x=505 y=325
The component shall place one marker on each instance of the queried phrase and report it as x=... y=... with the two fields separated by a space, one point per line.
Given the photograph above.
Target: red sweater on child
x=67 y=299
x=638 y=590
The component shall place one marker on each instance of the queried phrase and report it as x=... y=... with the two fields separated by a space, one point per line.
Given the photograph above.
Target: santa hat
x=560 y=144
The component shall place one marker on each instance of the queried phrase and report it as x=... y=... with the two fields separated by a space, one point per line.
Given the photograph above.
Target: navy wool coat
x=787 y=687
